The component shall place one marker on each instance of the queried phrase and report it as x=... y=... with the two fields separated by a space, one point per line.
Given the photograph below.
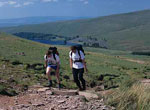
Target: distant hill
x=129 y=31
x=35 y=20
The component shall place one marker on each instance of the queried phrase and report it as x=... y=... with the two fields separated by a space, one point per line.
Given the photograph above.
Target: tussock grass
x=136 y=97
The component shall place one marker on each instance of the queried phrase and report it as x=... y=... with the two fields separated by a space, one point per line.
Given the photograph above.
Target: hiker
x=52 y=62
x=78 y=65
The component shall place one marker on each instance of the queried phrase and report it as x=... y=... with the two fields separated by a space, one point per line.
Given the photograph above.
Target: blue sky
x=92 y=8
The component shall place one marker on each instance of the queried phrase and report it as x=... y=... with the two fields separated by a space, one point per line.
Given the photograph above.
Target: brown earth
x=41 y=98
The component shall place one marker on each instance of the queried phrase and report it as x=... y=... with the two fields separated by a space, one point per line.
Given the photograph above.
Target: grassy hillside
x=128 y=31
x=21 y=66
x=112 y=65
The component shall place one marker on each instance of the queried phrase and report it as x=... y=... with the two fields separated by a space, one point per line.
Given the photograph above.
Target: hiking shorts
x=52 y=66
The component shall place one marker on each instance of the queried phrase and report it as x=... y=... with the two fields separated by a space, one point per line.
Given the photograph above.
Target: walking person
x=52 y=62
x=78 y=65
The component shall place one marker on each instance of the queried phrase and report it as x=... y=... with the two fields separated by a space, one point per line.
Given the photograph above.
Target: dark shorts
x=52 y=66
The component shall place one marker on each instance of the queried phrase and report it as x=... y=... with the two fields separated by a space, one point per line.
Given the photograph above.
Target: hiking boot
x=84 y=88
x=59 y=86
x=80 y=89
x=50 y=84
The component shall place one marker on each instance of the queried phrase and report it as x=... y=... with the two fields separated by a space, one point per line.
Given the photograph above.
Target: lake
x=55 y=42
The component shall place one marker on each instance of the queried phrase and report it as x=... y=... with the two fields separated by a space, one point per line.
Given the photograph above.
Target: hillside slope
x=35 y=20
x=19 y=73
x=128 y=31
x=104 y=63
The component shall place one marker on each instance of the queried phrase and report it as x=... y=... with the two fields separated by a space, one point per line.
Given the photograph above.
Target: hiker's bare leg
x=48 y=71
x=57 y=75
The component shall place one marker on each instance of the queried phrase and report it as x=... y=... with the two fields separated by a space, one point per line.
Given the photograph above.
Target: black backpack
x=54 y=51
x=79 y=48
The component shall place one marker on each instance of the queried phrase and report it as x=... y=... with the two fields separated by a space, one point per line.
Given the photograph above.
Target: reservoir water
x=55 y=42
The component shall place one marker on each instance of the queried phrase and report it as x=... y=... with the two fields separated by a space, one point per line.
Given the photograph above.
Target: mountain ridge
x=35 y=20
x=123 y=31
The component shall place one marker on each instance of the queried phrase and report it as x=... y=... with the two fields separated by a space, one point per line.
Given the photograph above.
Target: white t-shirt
x=76 y=56
x=51 y=60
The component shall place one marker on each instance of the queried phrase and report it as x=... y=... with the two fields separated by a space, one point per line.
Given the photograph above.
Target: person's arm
x=45 y=59
x=58 y=65
x=71 y=62
x=57 y=61
x=84 y=63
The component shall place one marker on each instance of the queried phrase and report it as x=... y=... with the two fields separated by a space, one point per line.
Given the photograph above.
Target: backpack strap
x=79 y=53
x=54 y=56
x=71 y=54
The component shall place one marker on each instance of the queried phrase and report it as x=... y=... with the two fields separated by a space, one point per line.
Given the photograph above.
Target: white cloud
x=28 y=3
x=50 y=0
x=2 y=4
x=84 y=2
x=11 y=2
x=55 y=0
x=21 y=3
x=17 y=5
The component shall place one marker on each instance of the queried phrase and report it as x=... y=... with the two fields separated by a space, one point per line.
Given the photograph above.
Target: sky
x=77 y=8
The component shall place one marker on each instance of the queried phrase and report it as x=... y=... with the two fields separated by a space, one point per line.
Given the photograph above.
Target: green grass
x=99 y=62
x=128 y=31
x=136 y=97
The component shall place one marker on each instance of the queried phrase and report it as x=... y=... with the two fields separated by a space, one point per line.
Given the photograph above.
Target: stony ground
x=46 y=99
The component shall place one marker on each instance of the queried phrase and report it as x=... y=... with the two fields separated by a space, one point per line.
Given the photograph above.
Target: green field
x=120 y=69
x=128 y=31
x=109 y=63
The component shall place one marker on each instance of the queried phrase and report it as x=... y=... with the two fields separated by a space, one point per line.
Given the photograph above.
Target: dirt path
x=43 y=99
x=145 y=81
x=132 y=60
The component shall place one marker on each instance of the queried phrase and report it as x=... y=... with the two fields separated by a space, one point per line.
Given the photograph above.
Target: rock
x=73 y=107
x=52 y=109
x=99 y=88
x=83 y=98
x=145 y=81
x=22 y=106
x=65 y=100
x=49 y=92
x=66 y=77
x=92 y=84
x=30 y=91
x=49 y=108
x=36 y=86
x=89 y=95
x=101 y=77
x=43 y=89
x=16 y=102
x=61 y=101
x=66 y=96
x=64 y=107
x=65 y=92
x=38 y=104
x=106 y=92
x=4 y=66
